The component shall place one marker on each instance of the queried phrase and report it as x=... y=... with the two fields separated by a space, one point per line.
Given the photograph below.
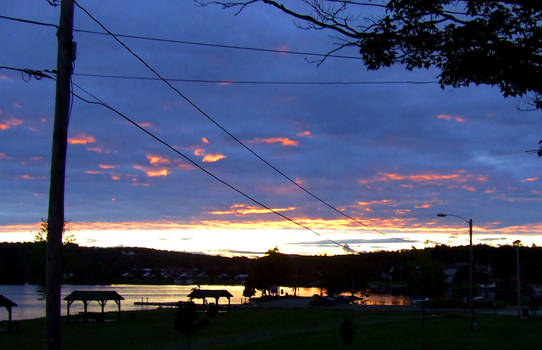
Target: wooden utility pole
x=55 y=219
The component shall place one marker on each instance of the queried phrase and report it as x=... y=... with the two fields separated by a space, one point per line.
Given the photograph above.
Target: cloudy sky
x=390 y=155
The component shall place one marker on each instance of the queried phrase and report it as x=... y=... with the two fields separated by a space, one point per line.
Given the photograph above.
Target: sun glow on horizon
x=236 y=238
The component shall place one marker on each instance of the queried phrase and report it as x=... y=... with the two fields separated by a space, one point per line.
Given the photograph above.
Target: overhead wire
x=100 y=102
x=258 y=82
x=187 y=42
x=212 y=120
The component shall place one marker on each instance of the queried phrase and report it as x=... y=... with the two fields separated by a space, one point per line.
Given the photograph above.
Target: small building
x=86 y=296
x=8 y=304
x=207 y=293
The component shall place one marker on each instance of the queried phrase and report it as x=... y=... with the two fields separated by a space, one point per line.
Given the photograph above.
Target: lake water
x=31 y=303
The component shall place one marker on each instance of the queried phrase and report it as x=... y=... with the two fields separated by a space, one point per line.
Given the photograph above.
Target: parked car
x=322 y=301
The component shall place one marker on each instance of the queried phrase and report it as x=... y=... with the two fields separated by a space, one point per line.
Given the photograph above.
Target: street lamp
x=471 y=259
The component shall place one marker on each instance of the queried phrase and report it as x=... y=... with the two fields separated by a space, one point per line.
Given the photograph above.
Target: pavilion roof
x=208 y=293
x=5 y=302
x=93 y=295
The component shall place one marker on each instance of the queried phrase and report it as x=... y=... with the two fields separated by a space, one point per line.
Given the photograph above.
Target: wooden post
x=85 y=302
x=55 y=219
x=9 y=317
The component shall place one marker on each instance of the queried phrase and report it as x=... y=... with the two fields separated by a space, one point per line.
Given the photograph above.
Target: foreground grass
x=288 y=329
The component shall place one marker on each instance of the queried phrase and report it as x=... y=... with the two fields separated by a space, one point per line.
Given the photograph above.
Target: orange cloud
x=383 y=201
x=224 y=83
x=242 y=209
x=306 y=133
x=449 y=117
x=28 y=177
x=490 y=190
x=469 y=188
x=93 y=172
x=81 y=140
x=115 y=177
x=204 y=139
x=424 y=206
x=151 y=172
x=107 y=166
x=458 y=176
x=402 y=211
x=211 y=158
x=200 y=152
x=530 y=179
x=157 y=159
x=282 y=140
x=10 y=123
x=156 y=173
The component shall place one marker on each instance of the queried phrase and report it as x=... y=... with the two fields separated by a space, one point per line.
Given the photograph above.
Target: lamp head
x=442 y=215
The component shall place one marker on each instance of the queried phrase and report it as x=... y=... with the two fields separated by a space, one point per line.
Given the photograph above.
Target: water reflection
x=32 y=305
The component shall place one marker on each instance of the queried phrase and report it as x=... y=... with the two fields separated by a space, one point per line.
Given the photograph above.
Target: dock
x=157 y=303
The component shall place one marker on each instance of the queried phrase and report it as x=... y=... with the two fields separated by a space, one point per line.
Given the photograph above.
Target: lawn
x=287 y=329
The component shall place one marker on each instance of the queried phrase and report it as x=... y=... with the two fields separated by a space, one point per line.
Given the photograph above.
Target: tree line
x=410 y=272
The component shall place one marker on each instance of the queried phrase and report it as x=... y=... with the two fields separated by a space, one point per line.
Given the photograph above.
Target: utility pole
x=518 y=280
x=55 y=219
x=471 y=278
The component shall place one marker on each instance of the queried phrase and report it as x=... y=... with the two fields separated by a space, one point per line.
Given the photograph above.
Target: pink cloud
x=200 y=152
x=282 y=140
x=81 y=139
x=10 y=123
x=305 y=133
x=107 y=166
x=449 y=117
x=204 y=139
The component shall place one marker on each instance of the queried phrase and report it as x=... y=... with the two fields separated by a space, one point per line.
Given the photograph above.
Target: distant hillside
x=430 y=271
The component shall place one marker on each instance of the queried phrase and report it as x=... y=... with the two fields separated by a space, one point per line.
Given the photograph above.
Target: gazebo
x=207 y=293
x=102 y=297
x=8 y=304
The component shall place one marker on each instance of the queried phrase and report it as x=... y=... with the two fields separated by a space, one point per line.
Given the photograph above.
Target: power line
x=98 y=101
x=187 y=42
x=42 y=73
x=258 y=82
x=28 y=21
x=211 y=119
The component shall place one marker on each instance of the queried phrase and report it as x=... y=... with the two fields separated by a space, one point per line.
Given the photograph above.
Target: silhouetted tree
x=68 y=237
x=497 y=43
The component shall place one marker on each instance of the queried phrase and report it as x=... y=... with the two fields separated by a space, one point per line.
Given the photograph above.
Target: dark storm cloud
x=356 y=133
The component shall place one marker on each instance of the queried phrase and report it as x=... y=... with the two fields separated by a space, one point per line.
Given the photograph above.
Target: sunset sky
x=390 y=155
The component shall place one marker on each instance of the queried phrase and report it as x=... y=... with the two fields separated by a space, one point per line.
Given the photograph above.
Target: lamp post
x=471 y=267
